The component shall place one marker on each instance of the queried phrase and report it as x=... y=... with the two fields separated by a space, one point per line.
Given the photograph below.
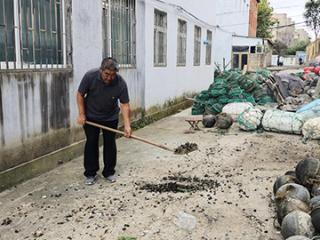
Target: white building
x=233 y=16
x=233 y=46
x=165 y=49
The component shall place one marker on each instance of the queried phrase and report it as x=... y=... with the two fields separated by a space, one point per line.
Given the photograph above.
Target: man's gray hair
x=110 y=64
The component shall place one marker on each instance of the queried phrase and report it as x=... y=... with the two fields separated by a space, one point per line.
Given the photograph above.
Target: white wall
x=274 y=61
x=222 y=48
x=165 y=83
x=88 y=50
x=203 y=11
x=289 y=61
x=233 y=16
x=86 y=43
x=246 y=41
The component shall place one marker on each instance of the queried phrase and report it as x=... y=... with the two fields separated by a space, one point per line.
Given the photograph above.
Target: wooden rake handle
x=132 y=136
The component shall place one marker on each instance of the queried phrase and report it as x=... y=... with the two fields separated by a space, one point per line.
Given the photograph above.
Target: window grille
x=209 y=47
x=182 y=43
x=31 y=34
x=197 y=46
x=7 y=40
x=119 y=30
x=160 y=38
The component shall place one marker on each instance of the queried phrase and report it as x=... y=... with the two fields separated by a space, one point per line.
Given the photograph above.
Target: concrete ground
x=223 y=190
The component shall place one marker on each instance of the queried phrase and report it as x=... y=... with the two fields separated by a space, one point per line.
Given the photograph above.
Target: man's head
x=108 y=69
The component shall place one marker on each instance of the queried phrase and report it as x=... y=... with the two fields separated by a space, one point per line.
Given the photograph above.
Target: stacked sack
x=230 y=87
x=305 y=121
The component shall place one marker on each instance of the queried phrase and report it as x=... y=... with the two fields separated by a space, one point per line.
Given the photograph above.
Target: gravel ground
x=223 y=190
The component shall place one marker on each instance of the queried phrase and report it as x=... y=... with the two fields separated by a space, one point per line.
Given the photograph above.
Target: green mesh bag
x=198 y=108
x=223 y=100
x=218 y=91
x=264 y=100
x=229 y=87
x=249 y=98
x=263 y=72
x=203 y=96
x=214 y=108
x=236 y=92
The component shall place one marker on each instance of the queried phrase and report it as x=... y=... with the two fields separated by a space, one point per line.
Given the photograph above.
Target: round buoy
x=307 y=170
x=282 y=180
x=291 y=173
x=298 y=238
x=208 y=121
x=297 y=223
x=287 y=205
x=315 y=202
x=293 y=190
x=315 y=216
x=223 y=121
x=315 y=190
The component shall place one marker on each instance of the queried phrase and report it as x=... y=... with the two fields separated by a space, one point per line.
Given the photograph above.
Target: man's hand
x=125 y=109
x=127 y=131
x=81 y=119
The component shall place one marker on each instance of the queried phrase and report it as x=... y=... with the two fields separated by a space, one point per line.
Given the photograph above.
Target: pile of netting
x=231 y=86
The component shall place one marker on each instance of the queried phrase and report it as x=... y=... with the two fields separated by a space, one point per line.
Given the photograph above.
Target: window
x=259 y=49
x=31 y=35
x=182 y=43
x=7 y=41
x=41 y=31
x=160 y=38
x=197 y=46
x=252 y=49
x=244 y=60
x=119 y=24
x=209 y=47
x=235 y=61
x=240 y=48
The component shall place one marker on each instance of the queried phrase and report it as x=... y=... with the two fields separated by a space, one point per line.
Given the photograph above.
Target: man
x=97 y=98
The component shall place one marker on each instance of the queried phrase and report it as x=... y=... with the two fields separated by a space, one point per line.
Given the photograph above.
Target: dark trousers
x=91 y=150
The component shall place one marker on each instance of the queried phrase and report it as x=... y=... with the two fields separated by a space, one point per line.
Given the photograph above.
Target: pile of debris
x=297 y=198
x=275 y=102
x=231 y=86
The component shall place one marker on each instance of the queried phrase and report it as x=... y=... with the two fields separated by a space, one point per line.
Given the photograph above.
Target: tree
x=265 y=20
x=279 y=48
x=312 y=15
x=299 y=46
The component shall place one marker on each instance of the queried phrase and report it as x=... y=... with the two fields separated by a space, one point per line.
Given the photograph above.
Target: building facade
x=165 y=50
x=233 y=16
x=301 y=35
x=255 y=53
x=284 y=30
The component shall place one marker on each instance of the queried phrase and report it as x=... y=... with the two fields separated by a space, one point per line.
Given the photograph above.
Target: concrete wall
x=35 y=110
x=222 y=48
x=289 y=61
x=258 y=61
x=233 y=16
x=166 y=83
